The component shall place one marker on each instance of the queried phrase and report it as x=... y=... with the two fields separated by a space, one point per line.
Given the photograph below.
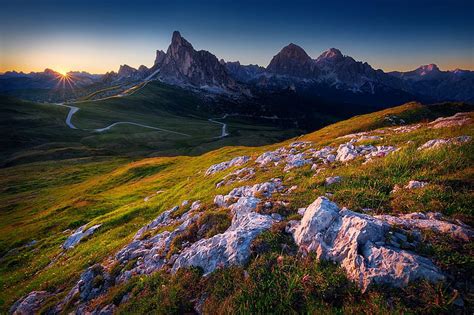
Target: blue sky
x=98 y=36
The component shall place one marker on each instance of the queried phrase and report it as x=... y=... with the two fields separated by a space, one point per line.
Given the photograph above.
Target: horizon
x=98 y=37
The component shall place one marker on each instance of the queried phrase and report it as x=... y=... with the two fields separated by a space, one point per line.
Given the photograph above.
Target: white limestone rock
x=456 y=120
x=231 y=247
x=414 y=184
x=438 y=143
x=430 y=221
x=295 y=161
x=333 y=180
x=357 y=242
x=240 y=160
x=78 y=235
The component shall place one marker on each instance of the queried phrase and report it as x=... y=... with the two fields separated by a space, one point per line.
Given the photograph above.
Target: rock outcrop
x=348 y=151
x=30 y=304
x=458 y=119
x=231 y=247
x=438 y=143
x=430 y=221
x=237 y=161
x=358 y=242
x=78 y=235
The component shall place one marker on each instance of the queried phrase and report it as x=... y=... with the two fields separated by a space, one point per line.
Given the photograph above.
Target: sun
x=62 y=73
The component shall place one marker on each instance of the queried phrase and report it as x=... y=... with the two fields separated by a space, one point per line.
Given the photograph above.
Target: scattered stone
x=301 y=211
x=276 y=217
x=351 y=239
x=146 y=199
x=78 y=235
x=348 y=151
x=29 y=304
x=195 y=205
x=405 y=129
x=333 y=180
x=270 y=157
x=367 y=138
x=295 y=161
x=292 y=189
x=239 y=175
x=437 y=143
x=300 y=144
x=265 y=190
x=240 y=160
x=414 y=184
x=458 y=119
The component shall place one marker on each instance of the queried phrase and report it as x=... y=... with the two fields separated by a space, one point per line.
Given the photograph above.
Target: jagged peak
x=177 y=40
x=331 y=54
x=293 y=51
x=429 y=68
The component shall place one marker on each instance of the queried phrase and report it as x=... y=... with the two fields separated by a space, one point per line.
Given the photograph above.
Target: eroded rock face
x=148 y=254
x=429 y=221
x=30 y=304
x=358 y=243
x=78 y=235
x=231 y=247
x=240 y=160
x=438 y=143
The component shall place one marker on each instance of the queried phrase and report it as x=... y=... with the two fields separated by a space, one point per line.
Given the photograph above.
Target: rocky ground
x=372 y=248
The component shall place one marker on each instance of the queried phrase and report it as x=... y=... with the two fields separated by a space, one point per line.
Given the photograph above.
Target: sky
x=99 y=35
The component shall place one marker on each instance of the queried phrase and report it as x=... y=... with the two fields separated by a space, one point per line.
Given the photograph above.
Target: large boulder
x=359 y=243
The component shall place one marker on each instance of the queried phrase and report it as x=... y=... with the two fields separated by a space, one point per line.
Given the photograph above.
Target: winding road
x=74 y=109
x=224 y=132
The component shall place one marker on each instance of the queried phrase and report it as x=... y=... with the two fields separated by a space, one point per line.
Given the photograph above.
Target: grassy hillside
x=41 y=202
x=38 y=132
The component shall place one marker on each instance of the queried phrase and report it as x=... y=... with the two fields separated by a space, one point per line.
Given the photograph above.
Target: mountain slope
x=123 y=197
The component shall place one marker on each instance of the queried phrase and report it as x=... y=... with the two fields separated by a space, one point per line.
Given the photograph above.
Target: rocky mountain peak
x=179 y=44
x=126 y=71
x=293 y=51
x=293 y=61
x=160 y=56
x=182 y=64
x=333 y=54
x=426 y=69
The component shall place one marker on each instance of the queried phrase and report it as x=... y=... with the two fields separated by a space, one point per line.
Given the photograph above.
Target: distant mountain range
x=331 y=76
